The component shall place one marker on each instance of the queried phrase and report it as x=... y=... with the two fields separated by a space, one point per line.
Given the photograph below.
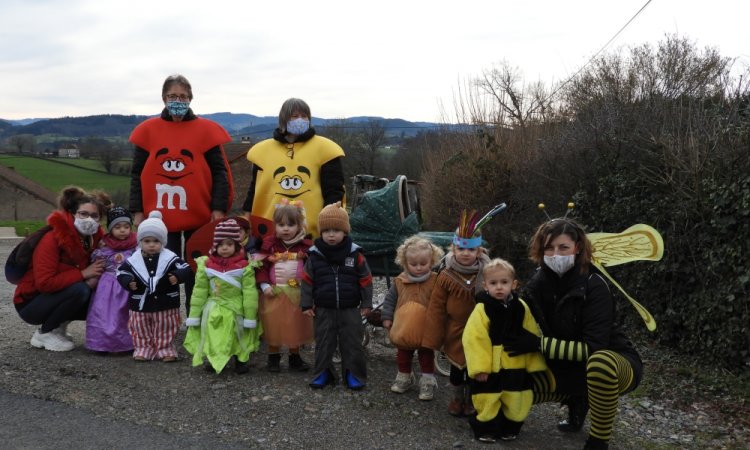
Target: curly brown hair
x=71 y=197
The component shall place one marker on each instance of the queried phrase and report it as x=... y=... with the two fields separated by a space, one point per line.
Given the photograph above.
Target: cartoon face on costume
x=174 y=167
x=291 y=182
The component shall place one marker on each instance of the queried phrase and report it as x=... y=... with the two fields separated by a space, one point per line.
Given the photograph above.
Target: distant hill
x=234 y=122
x=238 y=125
x=23 y=121
x=106 y=125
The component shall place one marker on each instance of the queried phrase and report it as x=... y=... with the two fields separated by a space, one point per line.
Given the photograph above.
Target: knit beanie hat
x=116 y=215
x=243 y=223
x=226 y=229
x=153 y=227
x=333 y=216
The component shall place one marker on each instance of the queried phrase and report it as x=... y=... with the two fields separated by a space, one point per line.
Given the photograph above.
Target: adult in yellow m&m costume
x=295 y=164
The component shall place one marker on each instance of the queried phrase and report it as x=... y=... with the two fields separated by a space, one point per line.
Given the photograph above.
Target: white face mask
x=86 y=227
x=560 y=263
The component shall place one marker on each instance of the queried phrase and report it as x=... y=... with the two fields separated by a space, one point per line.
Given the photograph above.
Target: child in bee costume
x=500 y=381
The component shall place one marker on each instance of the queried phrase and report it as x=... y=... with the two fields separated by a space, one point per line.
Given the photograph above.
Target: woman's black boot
x=578 y=406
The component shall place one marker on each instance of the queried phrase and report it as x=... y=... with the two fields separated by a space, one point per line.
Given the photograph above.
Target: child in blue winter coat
x=337 y=292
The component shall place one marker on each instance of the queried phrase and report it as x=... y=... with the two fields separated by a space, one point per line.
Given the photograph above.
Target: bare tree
x=22 y=142
x=372 y=137
x=101 y=150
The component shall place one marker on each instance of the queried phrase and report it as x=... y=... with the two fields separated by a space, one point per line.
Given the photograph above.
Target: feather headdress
x=468 y=233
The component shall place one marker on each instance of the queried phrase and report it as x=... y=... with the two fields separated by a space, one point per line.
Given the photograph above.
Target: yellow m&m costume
x=291 y=171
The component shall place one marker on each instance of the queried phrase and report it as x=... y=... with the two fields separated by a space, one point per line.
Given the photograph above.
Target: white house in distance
x=69 y=151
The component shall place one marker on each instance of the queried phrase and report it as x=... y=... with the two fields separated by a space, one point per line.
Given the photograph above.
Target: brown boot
x=469 y=409
x=456 y=406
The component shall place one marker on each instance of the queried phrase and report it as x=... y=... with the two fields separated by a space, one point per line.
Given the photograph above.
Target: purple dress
x=107 y=320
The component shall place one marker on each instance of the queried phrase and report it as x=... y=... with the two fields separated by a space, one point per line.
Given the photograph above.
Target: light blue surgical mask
x=297 y=126
x=177 y=108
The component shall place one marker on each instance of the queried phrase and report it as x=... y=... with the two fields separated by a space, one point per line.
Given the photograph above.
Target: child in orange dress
x=283 y=254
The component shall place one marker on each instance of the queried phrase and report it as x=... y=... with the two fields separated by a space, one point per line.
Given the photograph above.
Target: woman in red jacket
x=57 y=286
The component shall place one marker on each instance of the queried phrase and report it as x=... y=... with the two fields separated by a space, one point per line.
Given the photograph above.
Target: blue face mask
x=297 y=126
x=178 y=108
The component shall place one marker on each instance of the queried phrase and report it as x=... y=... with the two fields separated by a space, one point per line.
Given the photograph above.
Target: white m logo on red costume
x=170 y=192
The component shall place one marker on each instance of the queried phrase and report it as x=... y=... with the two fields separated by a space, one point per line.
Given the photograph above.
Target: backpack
x=20 y=258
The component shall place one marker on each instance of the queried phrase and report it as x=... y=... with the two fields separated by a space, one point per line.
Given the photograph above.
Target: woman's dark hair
x=72 y=197
x=176 y=79
x=291 y=106
x=548 y=231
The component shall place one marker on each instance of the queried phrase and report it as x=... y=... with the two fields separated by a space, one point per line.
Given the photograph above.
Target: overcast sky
x=395 y=59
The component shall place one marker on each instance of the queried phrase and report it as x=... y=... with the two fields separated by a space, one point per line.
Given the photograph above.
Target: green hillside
x=54 y=174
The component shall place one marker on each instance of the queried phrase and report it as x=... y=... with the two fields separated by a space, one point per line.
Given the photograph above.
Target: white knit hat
x=153 y=227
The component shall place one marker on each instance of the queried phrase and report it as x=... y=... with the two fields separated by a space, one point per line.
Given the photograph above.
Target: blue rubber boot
x=353 y=383
x=323 y=380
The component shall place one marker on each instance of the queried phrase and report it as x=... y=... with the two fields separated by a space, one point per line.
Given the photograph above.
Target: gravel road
x=114 y=402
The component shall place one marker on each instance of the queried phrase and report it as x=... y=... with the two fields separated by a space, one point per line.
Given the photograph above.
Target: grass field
x=56 y=173
x=23 y=227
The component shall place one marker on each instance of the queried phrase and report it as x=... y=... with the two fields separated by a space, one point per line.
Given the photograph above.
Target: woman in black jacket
x=591 y=361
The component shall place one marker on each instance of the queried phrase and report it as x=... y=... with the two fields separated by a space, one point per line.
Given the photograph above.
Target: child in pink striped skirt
x=153 y=275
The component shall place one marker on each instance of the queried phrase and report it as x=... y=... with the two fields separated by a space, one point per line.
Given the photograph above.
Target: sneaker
x=487 y=439
x=51 y=341
x=403 y=382
x=427 y=386
x=62 y=331
x=508 y=437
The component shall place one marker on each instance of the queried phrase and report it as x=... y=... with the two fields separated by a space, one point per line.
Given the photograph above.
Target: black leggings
x=458 y=377
x=608 y=376
x=51 y=310
x=176 y=244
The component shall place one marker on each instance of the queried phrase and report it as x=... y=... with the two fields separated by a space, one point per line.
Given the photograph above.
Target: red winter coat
x=58 y=259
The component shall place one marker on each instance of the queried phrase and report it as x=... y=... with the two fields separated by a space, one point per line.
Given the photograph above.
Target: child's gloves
x=526 y=342
x=193 y=321
x=247 y=323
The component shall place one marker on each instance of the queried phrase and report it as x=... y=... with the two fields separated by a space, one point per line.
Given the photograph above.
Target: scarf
x=116 y=244
x=335 y=254
x=295 y=239
x=476 y=268
x=420 y=279
x=506 y=318
x=221 y=264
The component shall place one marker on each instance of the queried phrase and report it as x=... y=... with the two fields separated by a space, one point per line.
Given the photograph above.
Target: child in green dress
x=223 y=318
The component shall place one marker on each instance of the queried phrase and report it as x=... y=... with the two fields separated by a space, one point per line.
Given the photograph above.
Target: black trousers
x=176 y=243
x=342 y=328
x=52 y=309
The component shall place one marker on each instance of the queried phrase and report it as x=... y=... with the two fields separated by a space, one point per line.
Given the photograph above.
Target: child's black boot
x=241 y=367
x=297 y=363
x=274 y=362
